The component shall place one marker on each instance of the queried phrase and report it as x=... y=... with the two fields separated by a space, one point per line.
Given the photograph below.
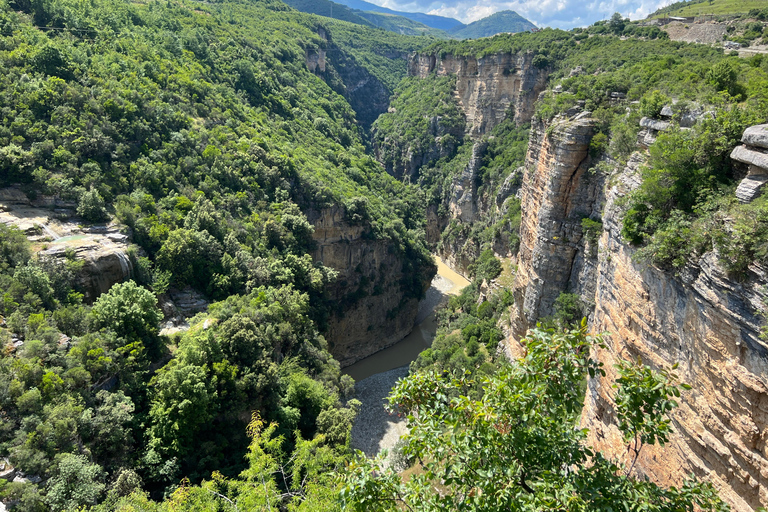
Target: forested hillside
x=206 y=136
x=200 y=129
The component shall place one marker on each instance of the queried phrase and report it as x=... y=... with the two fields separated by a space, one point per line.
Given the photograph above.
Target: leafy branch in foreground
x=518 y=446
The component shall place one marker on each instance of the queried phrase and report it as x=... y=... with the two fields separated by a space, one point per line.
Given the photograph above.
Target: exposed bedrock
x=557 y=193
x=709 y=325
x=373 y=310
x=700 y=318
x=487 y=87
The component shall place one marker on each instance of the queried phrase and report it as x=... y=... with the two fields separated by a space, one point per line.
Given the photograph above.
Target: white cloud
x=563 y=14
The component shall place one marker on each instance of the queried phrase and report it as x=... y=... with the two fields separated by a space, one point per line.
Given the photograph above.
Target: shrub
x=91 y=206
x=652 y=103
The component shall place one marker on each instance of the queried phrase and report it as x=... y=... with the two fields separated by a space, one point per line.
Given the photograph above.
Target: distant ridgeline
x=410 y=23
x=232 y=143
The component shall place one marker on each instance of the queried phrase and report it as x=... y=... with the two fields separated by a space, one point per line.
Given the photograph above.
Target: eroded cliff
x=558 y=191
x=374 y=309
x=699 y=318
x=487 y=87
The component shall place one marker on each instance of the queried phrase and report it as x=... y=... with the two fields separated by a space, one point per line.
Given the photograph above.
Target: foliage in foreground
x=516 y=448
x=299 y=480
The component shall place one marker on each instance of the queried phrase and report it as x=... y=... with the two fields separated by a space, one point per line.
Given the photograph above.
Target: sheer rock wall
x=372 y=310
x=487 y=87
x=700 y=318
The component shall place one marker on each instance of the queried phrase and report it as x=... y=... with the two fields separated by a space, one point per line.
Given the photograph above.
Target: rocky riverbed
x=375 y=429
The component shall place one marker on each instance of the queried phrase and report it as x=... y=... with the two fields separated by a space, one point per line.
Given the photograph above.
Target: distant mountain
x=497 y=23
x=401 y=24
x=329 y=9
x=429 y=20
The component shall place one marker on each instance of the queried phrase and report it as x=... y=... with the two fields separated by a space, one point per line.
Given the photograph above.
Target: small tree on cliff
x=519 y=448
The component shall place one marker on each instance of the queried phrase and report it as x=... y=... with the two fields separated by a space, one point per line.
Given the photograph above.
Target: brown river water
x=446 y=282
x=374 y=428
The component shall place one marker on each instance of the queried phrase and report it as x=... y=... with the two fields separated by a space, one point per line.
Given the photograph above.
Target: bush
x=91 y=206
x=652 y=103
x=487 y=266
x=569 y=309
x=129 y=310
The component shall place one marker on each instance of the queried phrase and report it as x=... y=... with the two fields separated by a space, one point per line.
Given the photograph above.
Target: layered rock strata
x=754 y=153
x=373 y=311
x=48 y=224
x=557 y=193
x=699 y=318
x=488 y=87
x=709 y=325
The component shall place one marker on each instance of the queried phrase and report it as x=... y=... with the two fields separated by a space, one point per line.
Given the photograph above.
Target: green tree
x=191 y=256
x=652 y=103
x=76 y=484
x=516 y=447
x=723 y=76
x=129 y=310
x=91 y=206
x=14 y=247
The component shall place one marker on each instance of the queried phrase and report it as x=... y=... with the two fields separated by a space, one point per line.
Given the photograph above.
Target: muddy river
x=374 y=428
x=446 y=282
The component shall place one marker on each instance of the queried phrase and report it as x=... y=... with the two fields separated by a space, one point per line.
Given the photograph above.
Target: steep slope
x=627 y=213
x=497 y=23
x=702 y=319
x=696 y=307
x=329 y=9
x=207 y=152
x=430 y=20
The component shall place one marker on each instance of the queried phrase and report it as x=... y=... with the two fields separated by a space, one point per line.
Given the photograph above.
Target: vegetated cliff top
x=430 y=20
x=705 y=7
x=497 y=23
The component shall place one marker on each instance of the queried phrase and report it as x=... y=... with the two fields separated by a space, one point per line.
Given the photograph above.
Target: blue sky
x=563 y=14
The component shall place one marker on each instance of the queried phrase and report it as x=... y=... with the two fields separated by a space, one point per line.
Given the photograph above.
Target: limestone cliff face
x=700 y=318
x=373 y=311
x=366 y=94
x=557 y=193
x=487 y=87
x=709 y=325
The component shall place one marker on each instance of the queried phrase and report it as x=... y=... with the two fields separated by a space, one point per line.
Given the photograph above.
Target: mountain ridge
x=496 y=23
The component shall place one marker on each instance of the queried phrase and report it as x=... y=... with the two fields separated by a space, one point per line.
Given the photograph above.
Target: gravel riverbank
x=375 y=429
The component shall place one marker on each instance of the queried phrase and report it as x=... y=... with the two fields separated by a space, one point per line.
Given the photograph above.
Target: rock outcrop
x=709 y=325
x=463 y=202
x=488 y=87
x=557 y=193
x=103 y=249
x=699 y=318
x=373 y=310
x=106 y=261
x=754 y=153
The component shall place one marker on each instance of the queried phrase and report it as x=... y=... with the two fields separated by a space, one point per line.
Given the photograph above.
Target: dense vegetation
x=497 y=23
x=329 y=9
x=425 y=122
x=516 y=448
x=199 y=127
